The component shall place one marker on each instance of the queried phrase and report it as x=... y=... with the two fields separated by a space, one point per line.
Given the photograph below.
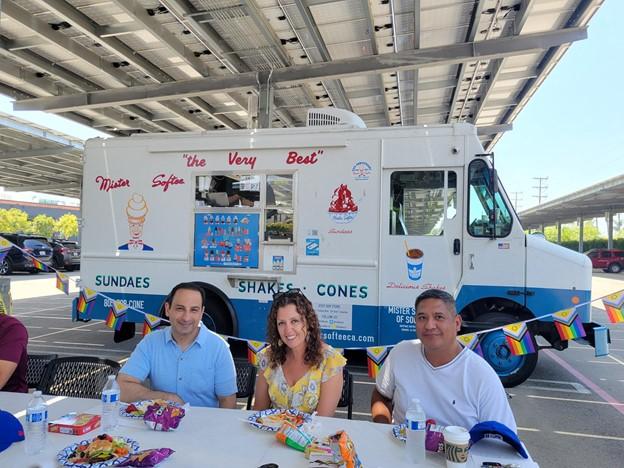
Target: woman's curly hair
x=277 y=352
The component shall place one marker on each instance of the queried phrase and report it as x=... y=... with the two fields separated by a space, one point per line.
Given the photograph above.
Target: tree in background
x=14 y=220
x=43 y=225
x=571 y=233
x=67 y=225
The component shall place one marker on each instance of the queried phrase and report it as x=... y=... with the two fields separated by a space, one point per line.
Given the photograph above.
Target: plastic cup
x=456 y=443
x=414 y=264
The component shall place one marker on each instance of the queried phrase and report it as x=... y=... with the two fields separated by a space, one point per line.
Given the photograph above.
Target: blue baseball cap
x=496 y=430
x=11 y=430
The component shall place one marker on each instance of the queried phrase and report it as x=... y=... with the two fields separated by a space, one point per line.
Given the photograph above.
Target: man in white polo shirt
x=455 y=385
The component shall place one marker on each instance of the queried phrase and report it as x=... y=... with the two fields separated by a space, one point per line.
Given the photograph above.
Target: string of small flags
x=567 y=322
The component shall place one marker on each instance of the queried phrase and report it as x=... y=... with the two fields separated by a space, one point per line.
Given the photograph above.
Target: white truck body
x=357 y=200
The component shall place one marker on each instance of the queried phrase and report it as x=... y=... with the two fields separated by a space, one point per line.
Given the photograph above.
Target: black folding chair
x=37 y=364
x=79 y=376
x=346 y=398
x=245 y=380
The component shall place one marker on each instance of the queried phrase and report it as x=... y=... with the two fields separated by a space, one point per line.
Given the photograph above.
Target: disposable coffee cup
x=456 y=443
x=414 y=264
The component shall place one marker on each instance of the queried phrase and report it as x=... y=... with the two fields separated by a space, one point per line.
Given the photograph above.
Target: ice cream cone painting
x=136 y=211
x=342 y=208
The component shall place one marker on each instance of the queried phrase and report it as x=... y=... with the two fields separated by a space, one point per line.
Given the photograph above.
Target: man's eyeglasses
x=288 y=293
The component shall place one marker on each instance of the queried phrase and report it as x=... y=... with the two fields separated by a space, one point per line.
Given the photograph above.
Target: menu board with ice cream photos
x=226 y=239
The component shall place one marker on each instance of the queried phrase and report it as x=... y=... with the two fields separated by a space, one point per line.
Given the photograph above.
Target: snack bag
x=293 y=436
x=163 y=417
x=434 y=439
x=341 y=443
x=149 y=457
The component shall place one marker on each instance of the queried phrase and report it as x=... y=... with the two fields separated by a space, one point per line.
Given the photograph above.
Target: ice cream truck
x=362 y=220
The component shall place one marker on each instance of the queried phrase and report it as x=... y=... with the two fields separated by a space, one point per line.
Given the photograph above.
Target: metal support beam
x=470 y=37
x=493 y=129
x=609 y=219
x=370 y=28
x=35 y=152
x=44 y=187
x=334 y=87
x=416 y=77
x=558 y=232
x=404 y=60
x=581 y=222
x=265 y=103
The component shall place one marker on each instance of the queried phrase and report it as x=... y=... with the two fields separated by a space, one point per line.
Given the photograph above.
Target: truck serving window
x=279 y=207
x=240 y=190
x=419 y=202
x=481 y=204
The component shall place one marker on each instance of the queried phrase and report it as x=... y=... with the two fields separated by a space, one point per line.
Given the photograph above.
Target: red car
x=610 y=260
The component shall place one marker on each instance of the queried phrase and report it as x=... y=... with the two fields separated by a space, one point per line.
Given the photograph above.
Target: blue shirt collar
x=200 y=339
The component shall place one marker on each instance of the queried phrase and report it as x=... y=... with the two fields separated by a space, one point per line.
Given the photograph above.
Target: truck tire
x=216 y=315
x=615 y=268
x=5 y=267
x=512 y=370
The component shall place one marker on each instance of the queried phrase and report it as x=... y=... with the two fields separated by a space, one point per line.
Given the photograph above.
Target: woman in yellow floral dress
x=297 y=370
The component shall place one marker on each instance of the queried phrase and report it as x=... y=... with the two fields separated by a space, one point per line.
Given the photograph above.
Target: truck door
x=494 y=257
x=420 y=242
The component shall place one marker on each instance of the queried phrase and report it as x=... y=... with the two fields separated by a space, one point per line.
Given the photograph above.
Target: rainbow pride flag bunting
x=569 y=324
x=116 y=315
x=253 y=348
x=4 y=244
x=62 y=282
x=519 y=339
x=39 y=265
x=149 y=323
x=471 y=340
x=613 y=306
x=376 y=355
x=86 y=301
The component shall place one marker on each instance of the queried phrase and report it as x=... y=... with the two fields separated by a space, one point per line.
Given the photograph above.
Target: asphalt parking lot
x=570 y=413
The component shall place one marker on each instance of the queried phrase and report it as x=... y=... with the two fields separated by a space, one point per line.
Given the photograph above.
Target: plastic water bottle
x=36 y=424
x=416 y=428
x=110 y=403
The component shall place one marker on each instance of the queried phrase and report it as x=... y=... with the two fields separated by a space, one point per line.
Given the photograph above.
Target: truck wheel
x=216 y=316
x=5 y=267
x=615 y=268
x=512 y=370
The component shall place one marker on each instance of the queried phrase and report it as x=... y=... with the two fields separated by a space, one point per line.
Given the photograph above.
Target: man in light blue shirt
x=185 y=362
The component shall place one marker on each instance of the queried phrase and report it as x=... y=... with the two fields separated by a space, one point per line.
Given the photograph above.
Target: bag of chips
x=293 y=436
x=337 y=450
x=163 y=417
x=150 y=457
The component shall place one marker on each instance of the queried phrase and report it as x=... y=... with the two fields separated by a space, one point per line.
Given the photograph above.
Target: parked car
x=66 y=254
x=16 y=260
x=610 y=260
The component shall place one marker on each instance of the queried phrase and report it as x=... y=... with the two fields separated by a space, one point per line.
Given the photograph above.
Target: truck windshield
x=483 y=204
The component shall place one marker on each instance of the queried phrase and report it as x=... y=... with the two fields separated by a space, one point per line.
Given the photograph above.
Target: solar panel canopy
x=142 y=66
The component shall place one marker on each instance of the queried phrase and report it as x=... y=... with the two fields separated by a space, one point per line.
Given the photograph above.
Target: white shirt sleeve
x=385 y=378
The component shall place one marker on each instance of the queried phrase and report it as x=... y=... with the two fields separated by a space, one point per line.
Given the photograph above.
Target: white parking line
x=26 y=314
x=603 y=362
x=529 y=429
x=593 y=436
x=47 y=317
x=559 y=386
x=77 y=343
x=616 y=359
x=74 y=328
x=36 y=345
x=593 y=402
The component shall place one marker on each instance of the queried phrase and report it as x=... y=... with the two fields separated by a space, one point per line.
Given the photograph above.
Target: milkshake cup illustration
x=414 y=263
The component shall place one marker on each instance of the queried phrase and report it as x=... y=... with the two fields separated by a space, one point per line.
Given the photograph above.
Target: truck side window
x=417 y=206
x=482 y=204
x=279 y=213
